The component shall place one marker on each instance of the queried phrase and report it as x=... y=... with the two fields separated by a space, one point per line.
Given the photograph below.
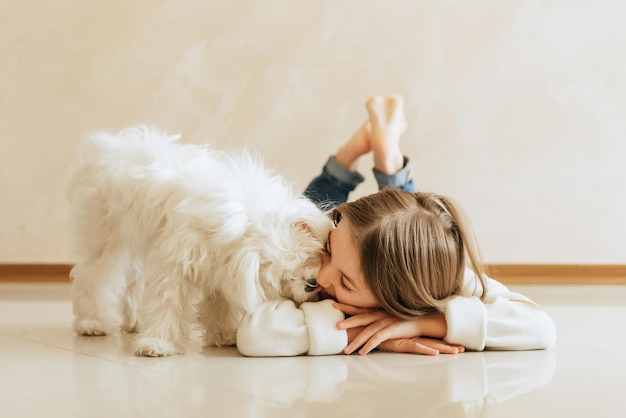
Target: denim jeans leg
x=333 y=185
x=402 y=180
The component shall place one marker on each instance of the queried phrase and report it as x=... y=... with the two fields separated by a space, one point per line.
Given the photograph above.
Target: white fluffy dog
x=174 y=235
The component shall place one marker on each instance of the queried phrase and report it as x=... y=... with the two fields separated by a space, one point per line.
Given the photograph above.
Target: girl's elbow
x=547 y=334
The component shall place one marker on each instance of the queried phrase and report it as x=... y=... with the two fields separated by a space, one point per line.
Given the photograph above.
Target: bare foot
x=358 y=145
x=388 y=124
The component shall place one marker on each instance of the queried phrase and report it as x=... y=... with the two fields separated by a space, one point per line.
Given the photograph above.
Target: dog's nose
x=310 y=284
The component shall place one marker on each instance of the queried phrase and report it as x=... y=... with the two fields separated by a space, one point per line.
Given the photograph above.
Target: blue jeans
x=335 y=183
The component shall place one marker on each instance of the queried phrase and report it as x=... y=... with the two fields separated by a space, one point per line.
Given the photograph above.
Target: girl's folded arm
x=503 y=320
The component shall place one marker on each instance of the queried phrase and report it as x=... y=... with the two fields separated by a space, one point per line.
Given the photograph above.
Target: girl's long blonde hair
x=414 y=248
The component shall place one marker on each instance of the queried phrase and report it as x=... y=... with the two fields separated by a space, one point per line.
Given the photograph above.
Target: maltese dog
x=172 y=237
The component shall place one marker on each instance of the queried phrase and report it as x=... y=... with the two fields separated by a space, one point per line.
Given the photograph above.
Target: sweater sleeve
x=503 y=320
x=279 y=328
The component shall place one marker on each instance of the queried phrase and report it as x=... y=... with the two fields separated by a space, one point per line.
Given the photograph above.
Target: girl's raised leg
x=359 y=144
x=388 y=124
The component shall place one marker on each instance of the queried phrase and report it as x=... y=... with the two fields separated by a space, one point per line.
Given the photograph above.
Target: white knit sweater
x=503 y=320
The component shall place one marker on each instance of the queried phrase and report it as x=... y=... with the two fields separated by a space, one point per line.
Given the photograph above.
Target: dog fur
x=171 y=236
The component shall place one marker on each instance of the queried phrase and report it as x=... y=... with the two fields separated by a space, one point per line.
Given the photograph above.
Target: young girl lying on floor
x=403 y=265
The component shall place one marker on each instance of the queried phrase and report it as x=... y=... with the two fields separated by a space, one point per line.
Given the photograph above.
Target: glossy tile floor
x=47 y=371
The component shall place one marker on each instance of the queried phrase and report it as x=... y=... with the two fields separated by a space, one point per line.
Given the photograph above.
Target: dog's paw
x=155 y=347
x=221 y=339
x=92 y=327
x=130 y=328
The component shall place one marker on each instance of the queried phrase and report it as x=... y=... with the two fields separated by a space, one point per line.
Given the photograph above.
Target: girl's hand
x=420 y=345
x=370 y=329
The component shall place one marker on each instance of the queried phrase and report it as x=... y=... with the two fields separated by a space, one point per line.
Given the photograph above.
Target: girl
x=402 y=265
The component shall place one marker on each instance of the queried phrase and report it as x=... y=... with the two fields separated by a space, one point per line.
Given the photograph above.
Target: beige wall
x=516 y=108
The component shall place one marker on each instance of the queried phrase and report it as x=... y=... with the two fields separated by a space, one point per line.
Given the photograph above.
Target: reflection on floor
x=48 y=371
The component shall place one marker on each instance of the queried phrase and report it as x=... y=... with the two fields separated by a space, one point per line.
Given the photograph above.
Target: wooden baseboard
x=567 y=274
x=59 y=273
x=547 y=274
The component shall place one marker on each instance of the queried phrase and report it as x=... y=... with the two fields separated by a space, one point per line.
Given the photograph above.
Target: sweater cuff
x=466 y=320
x=321 y=320
x=277 y=328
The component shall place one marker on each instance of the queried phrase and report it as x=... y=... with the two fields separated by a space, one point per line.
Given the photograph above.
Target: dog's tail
x=137 y=141
x=103 y=153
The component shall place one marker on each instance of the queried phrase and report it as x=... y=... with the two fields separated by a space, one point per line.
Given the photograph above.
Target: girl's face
x=340 y=276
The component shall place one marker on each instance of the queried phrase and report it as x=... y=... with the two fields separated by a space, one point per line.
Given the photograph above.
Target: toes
x=395 y=107
x=386 y=111
x=376 y=110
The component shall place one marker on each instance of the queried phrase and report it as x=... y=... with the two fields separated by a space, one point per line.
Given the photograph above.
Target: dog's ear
x=318 y=233
x=243 y=286
x=302 y=226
